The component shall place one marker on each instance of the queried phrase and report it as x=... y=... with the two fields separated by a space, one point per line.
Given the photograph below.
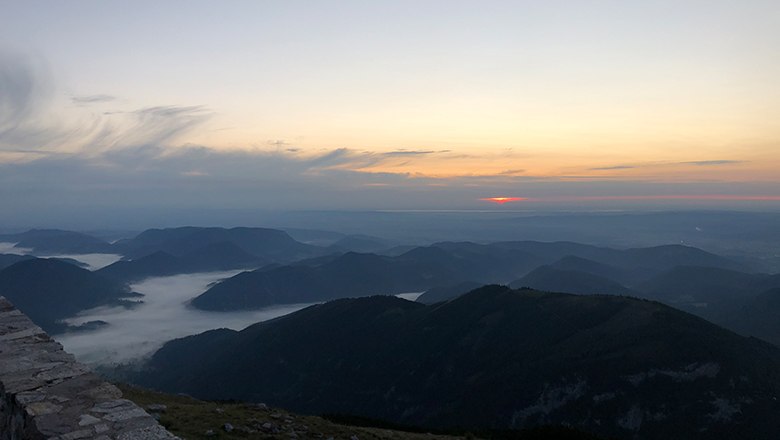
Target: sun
x=502 y=200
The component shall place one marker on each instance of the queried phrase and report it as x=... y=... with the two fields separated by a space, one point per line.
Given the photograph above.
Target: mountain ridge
x=493 y=357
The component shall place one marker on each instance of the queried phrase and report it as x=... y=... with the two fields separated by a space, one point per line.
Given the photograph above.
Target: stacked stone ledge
x=46 y=394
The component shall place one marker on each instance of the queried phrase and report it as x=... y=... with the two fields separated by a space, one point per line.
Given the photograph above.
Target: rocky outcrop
x=46 y=394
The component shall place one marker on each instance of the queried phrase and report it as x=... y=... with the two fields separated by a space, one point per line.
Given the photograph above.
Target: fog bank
x=164 y=315
x=8 y=248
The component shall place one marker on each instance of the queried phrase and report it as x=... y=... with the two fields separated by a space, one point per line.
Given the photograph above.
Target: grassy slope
x=190 y=419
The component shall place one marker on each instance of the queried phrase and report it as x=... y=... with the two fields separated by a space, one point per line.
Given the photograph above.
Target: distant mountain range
x=282 y=270
x=717 y=287
x=351 y=274
x=493 y=358
x=445 y=264
x=56 y=241
x=158 y=252
x=210 y=257
x=463 y=355
x=264 y=243
x=552 y=279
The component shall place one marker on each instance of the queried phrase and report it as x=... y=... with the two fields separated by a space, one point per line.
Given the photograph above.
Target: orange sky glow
x=693 y=197
x=395 y=103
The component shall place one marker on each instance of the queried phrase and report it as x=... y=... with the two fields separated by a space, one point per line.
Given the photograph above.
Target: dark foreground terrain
x=194 y=419
x=494 y=358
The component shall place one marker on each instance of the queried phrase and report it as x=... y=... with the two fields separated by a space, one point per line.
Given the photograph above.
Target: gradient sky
x=396 y=104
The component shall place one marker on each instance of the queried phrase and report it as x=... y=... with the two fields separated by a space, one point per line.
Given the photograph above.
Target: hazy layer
x=164 y=315
x=412 y=296
x=8 y=248
x=92 y=261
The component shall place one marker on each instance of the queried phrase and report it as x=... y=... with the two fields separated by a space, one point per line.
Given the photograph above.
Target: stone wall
x=46 y=394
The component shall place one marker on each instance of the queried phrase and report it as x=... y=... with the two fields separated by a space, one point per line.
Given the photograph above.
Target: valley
x=589 y=336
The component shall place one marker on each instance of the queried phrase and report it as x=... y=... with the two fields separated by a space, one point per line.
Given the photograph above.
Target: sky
x=295 y=105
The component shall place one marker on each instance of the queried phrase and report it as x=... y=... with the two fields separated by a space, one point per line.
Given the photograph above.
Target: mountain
x=314 y=236
x=9 y=259
x=211 y=257
x=696 y=283
x=493 y=358
x=470 y=261
x=55 y=241
x=361 y=243
x=447 y=263
x=269 y=244
x=759 y=317
x=630 y=266
x=555 y=250
x=351 y=274
x=741 y=302
x=354 y=274
x=669 y=256
x=707 y=291
x=551 y=279
x=448 y=292
x=48 y=290
x=571 y=262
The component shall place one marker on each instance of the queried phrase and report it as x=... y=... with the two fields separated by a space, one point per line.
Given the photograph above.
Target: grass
x=193 y=419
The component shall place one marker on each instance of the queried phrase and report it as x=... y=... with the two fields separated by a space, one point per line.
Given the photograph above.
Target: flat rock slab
x=46 y=394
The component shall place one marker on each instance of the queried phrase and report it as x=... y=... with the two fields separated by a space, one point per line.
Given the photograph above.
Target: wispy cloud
x=92 y=99
x=20 y=91
x=25 y=89
x=708 y=163
x=613 y=167
x=512 y=172
x=668 y=163
x=28 y=123
x=194 y=173
x=278 y=143
x=161 y=124
x=413 y=152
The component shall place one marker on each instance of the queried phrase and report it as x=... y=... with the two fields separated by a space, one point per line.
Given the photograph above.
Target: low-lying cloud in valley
x=132 y=334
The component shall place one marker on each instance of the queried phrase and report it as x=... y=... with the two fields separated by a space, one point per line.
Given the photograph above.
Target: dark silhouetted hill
x=713 y=293
x=48 y=290
x=442 y=264
x=211 y=257
x=351 y=274
x=268 y=244
x=633 y=265
x=354 y=274
x=497 y=358
x=55 y=241
x=9 y=259
x=579 y=264
x=446 y=293
x=759 y=317
x=706 y=284
x=361 y=243
x=550 y=279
